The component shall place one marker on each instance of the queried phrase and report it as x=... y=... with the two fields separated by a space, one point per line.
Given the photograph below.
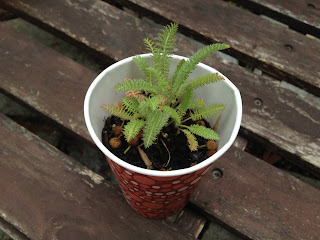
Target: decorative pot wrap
x=153 y=193
x=156 y=197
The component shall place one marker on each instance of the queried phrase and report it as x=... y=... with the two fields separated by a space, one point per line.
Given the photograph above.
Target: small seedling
x=159 y=100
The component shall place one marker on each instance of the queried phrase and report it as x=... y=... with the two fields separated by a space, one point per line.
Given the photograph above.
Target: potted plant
x=162 y=137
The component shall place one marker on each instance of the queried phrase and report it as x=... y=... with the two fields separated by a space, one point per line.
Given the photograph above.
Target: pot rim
x=159 y=173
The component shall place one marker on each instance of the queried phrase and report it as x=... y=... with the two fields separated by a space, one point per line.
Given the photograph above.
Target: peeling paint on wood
x=97 y=179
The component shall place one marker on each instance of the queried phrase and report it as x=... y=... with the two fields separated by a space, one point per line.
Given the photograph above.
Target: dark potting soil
x=174 y=141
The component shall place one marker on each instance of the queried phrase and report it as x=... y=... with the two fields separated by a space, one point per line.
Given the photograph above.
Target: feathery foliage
x=117 y=111
x=200 y=81
x=206 y=111
x=132 y=128
x=202 y=131
x=166 y=100
x=154 y=123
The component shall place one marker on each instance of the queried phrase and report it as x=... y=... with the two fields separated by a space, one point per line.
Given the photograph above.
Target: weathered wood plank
x=44 y=79
x=190 y=221
x=274 y=122
x=37 y=66
x=255 y=40
x=47 y=195
x=299 y=14
x=259 y=201
x=11 y=231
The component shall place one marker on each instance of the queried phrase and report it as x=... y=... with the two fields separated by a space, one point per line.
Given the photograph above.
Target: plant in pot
x=158 y=125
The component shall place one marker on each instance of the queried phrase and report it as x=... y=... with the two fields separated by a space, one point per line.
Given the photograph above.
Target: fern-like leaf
x=202 y=131
x=135 y=102
x=180 y=64
x=155 y=122
x=152 y=102
x=165 y=44
x=161 y=79
x=206 y=111
x=192 y=140
x=197 y=103
x=200 y=81
x=150 y=45
x=186 y=100
x=117 y=111
x=190 y=64
x=129 y=105
x=143 y=65
x=173 y=114
x=135 y=84
x=132 y=128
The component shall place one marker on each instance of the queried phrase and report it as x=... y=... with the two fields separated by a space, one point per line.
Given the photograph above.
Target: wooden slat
x=239 y=169
x=299 y=14
x=47 y=195
x=44 y=79
x=274 y=122
x=190 y=221
x=41 y=91
x=258 y=201
x=11 y=231
x=255 y=40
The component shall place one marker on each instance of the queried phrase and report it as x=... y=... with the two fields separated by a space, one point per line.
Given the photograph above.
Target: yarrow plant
x=156 y=101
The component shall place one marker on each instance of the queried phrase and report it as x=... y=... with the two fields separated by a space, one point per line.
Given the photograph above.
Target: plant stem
x=145 y=158
x=128 y=148
x=186 y=119
x=169 y=158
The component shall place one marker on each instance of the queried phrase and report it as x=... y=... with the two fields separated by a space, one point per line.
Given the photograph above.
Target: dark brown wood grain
x=285 y=121
x=190 y=221
x=301 y=15
x=259 y=201
x=47 y=195
x=274 y=121
x=281 y=52
x=44 y=79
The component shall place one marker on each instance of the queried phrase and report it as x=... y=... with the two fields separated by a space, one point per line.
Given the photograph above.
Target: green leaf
x=202 y=131
x=206 y=111
x=173 y=114
x=197 y=103
x=152 y=102
x=132 y=128
x=189 y=65
x=150 y=45
x=186 y=100
x=165 y=45
x=134 y=84
x=182 y=61
x=161 y=79
x=117 y=111
x=154 y=123
x=200 y=81
x=127 y=103
x=143 y=65
x=135 y=102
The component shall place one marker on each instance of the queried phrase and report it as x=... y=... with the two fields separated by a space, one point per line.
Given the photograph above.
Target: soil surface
x=170 y=140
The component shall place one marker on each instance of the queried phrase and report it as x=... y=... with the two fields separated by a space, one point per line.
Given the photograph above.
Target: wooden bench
x=46 y=194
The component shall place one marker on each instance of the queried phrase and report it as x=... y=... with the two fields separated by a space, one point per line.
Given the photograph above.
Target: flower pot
x=152 y=193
